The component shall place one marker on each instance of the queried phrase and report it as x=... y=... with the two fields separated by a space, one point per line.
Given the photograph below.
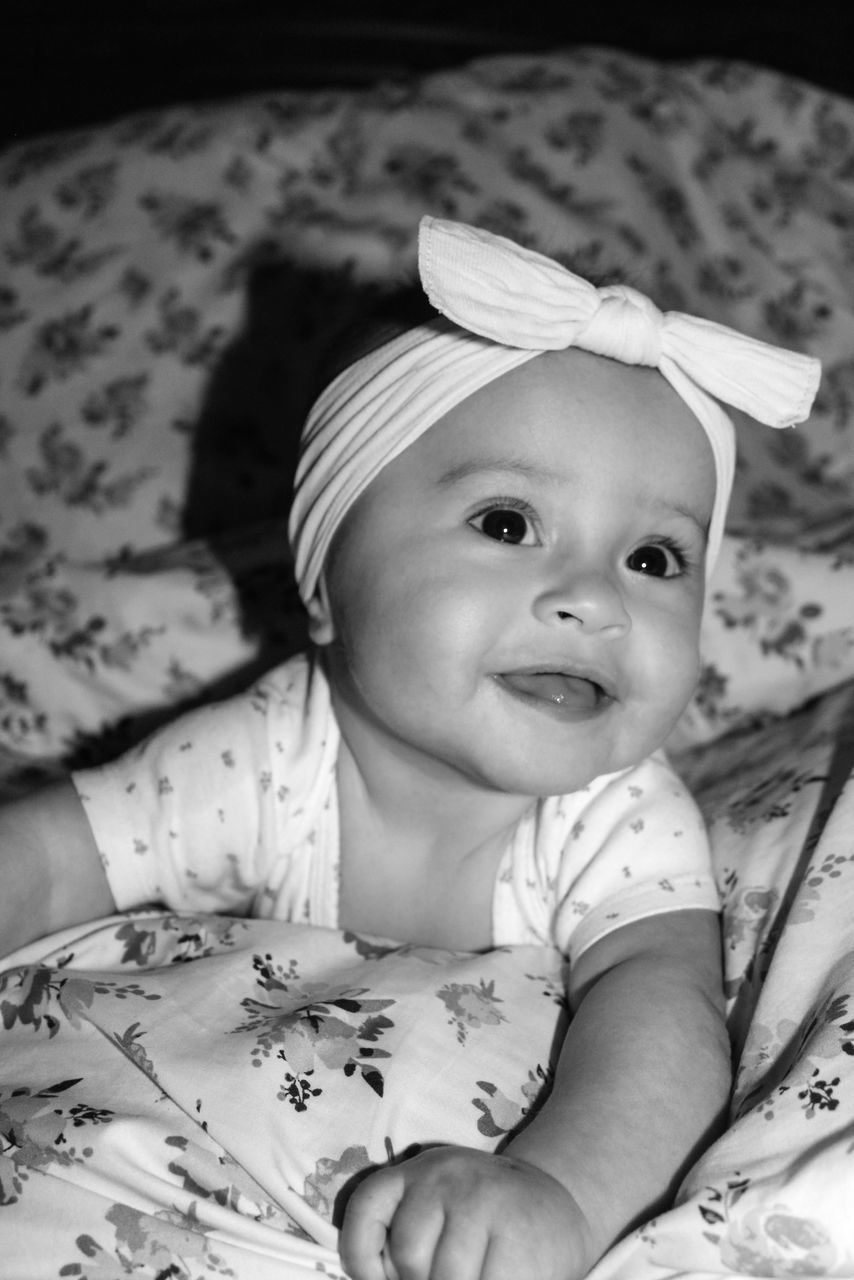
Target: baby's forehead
x=555 y=422
x=589 y=396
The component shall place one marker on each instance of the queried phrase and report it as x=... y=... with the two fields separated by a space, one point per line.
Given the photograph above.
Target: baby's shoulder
x=292 y=692
x=287 y=684
x=291 y=705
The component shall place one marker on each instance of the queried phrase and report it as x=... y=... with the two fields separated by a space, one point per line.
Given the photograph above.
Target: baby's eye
x=657 y=560
x=505 y=524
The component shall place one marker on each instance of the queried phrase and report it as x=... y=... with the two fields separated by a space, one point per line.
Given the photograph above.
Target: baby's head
x=504 y=517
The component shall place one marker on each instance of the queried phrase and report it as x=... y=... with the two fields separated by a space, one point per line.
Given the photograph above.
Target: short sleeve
x=632 y=845
x=194 y=816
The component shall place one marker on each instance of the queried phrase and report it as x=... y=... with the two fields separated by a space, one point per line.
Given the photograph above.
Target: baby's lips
x=554 y=686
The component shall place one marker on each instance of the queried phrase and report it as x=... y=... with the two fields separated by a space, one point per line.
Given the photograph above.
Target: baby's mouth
x=557 y=691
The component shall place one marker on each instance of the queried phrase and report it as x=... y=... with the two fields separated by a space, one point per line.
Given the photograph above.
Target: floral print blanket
x=205 y=1088
x=188 y=1097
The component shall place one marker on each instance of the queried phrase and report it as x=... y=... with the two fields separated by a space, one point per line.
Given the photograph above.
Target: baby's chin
x=549 y=778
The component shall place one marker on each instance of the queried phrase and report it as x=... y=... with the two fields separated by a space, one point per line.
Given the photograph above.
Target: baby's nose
x=591 y=600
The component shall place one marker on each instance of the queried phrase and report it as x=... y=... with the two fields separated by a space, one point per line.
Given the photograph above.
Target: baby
x=503 y=526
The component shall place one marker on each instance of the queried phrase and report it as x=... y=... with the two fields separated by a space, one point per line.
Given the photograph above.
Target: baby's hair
x=394 y=311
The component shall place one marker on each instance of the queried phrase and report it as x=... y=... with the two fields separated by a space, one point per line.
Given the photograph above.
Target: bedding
x=190 y=1096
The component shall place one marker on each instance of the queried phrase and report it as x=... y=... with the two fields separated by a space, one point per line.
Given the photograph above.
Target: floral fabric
x=166 y=284
x=192 y=1094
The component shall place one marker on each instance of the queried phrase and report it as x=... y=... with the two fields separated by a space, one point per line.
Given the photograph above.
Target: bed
x=169 y=277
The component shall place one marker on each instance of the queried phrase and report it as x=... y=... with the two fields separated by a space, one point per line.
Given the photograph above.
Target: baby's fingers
x=461 y=1252
x=421 y=1240
x=364 y=1232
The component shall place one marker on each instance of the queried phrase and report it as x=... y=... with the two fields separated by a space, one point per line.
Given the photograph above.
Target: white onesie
x=233 y=808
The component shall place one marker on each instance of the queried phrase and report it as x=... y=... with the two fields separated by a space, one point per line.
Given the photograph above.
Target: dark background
x=84 y=61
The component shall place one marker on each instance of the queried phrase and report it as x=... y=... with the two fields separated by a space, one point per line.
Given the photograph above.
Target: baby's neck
x=420 y=849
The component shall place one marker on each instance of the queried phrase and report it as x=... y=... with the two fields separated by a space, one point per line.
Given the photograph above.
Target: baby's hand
x=453 y=1213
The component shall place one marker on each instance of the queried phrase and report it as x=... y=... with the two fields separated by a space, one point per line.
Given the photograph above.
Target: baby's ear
x=321 y=629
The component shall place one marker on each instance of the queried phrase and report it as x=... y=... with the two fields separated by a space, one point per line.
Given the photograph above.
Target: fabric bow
x=520 y=298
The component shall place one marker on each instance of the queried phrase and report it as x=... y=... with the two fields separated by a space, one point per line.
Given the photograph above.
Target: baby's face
x=516 y=598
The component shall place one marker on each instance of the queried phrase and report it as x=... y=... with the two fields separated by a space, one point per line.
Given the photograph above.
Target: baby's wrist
x=578 y=1189
x=526 y=1157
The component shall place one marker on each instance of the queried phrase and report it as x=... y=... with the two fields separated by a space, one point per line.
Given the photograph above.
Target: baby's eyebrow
x=514 y=465
x=676 y=508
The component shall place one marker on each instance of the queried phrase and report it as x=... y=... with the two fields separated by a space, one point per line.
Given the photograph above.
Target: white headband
x=505 y=305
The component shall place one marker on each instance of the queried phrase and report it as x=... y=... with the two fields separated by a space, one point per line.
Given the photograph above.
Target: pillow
x=169 y=280
x=777 y=631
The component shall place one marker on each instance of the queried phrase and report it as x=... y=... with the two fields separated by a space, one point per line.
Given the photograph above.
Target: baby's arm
x=50 y=870
x=641 y=1086
x=644 y=1075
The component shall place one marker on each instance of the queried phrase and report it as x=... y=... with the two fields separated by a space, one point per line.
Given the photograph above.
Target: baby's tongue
x=551 y=686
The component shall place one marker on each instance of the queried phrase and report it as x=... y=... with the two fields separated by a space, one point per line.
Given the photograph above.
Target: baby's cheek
x=665 y=668
x=678 y=678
